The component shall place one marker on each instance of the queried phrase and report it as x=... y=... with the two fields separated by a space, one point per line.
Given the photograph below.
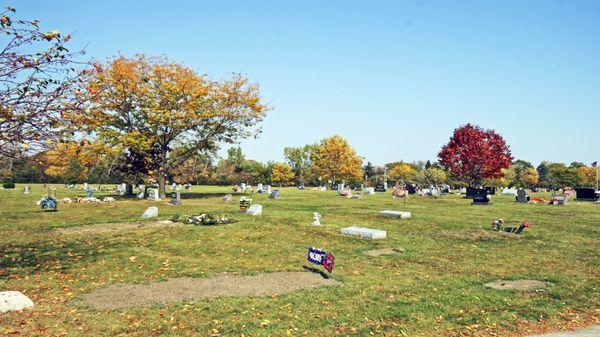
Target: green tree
x=543 y=174
x=299 y=159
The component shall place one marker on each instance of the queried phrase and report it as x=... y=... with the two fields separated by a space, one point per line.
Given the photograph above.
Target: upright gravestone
x=255 y=210
x=89 y=192
x=227 y=198
x=151 y=212
x=176 y=198
x=481 y=197
x=153 y=194
x=369 y=190
x=380 y=187
x=14 y=301
x=26 y=189
x=522 y=195
x=266 y=189
x=275 y=194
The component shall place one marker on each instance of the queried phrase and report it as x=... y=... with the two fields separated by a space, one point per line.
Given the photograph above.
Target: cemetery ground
x=432 y=283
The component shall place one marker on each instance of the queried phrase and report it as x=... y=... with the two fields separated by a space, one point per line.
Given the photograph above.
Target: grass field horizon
x=435 y=287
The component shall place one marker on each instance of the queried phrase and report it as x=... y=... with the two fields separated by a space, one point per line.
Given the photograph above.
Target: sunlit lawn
x=435 y=288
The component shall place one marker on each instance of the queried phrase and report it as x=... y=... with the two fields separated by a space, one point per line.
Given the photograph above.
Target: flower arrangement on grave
x=203 y=219
x=497 y=225
x=245 y=203
x=48 y=203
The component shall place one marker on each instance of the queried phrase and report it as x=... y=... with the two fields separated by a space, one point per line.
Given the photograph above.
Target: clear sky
x=393 y=77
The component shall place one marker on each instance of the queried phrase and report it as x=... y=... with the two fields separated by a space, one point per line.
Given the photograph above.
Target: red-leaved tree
x=474 y=154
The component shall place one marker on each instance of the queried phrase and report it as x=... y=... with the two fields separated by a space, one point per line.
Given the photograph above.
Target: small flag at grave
x=321 y=257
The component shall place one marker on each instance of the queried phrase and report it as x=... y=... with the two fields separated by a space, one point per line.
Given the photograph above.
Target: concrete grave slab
x=364 y=232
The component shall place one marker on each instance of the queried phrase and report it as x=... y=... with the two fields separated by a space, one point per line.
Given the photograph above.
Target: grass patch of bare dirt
x=523 y=285
x=384 y=251
x=189 y=289
x=115 y=227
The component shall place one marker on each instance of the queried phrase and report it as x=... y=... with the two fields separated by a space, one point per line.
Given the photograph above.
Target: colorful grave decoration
x=497 y=225
x=320 y=257
x=203 y=219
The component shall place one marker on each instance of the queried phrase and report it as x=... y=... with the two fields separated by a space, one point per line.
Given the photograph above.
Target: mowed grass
x=435 y=288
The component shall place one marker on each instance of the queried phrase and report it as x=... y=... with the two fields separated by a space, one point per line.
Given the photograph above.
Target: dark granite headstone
x=522 y=196
x=380 y=187
x=275 y=194
x=481 y=197
x=412 y=188
x=176 y=198
x=587 y=193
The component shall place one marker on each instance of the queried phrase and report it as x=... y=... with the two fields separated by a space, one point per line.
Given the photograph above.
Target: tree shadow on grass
x=28 y=258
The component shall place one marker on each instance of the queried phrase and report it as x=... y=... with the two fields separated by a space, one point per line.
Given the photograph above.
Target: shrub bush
x=8 y=184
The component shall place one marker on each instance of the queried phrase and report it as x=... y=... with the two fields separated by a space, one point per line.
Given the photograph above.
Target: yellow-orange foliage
x=282 y=174
x=529 y=177
x=334 y=159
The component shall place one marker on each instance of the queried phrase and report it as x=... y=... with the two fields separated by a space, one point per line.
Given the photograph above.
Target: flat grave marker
x=396 y=214
x=364 y=232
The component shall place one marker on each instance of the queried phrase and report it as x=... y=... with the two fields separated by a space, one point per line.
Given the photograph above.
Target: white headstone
x=85 y=186
x=259 y=187
x=255 y=209
x=227 y=198
x=243 y=186
x=151 y=212
x=26 y=189
x=370 y=190
x=509 y=191
x=14 y=300
x=364 y=232
x=153 y=194
x=397 y=214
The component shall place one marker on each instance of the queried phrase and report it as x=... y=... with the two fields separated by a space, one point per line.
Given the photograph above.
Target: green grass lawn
x=435 y=288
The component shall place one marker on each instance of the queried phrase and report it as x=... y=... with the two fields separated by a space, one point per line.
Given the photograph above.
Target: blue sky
x=393 y=77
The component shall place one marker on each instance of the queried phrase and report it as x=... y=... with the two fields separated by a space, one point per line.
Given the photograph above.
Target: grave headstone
x=481 y=197
x=560 y=200
x=26 y=189
x=370 y=190
x=412 y=188
x=587 y=194
x=85 y=186
x=150 y=212
x=89 y=193
x=275 y=194
x=259 y=187
x=153 y=194
x=255 y=210
x=227 y=198
x=340 y=186
x=266 y=189
x=396 y=214
x=364 y=232
x=380 y=187
x=140 y=195
x=14 y=301
x=176 y=198
x=522 y=196
x=509 y=191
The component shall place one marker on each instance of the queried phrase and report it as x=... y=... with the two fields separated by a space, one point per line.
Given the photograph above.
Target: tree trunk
x=161 y=184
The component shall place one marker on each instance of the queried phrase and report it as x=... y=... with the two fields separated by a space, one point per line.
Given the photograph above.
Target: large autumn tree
x=37 y=75
x=154 y=105
x=474 y=154
x=333 y=159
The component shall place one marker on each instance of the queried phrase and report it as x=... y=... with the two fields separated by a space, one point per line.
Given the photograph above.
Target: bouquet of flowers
x=203 y=219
